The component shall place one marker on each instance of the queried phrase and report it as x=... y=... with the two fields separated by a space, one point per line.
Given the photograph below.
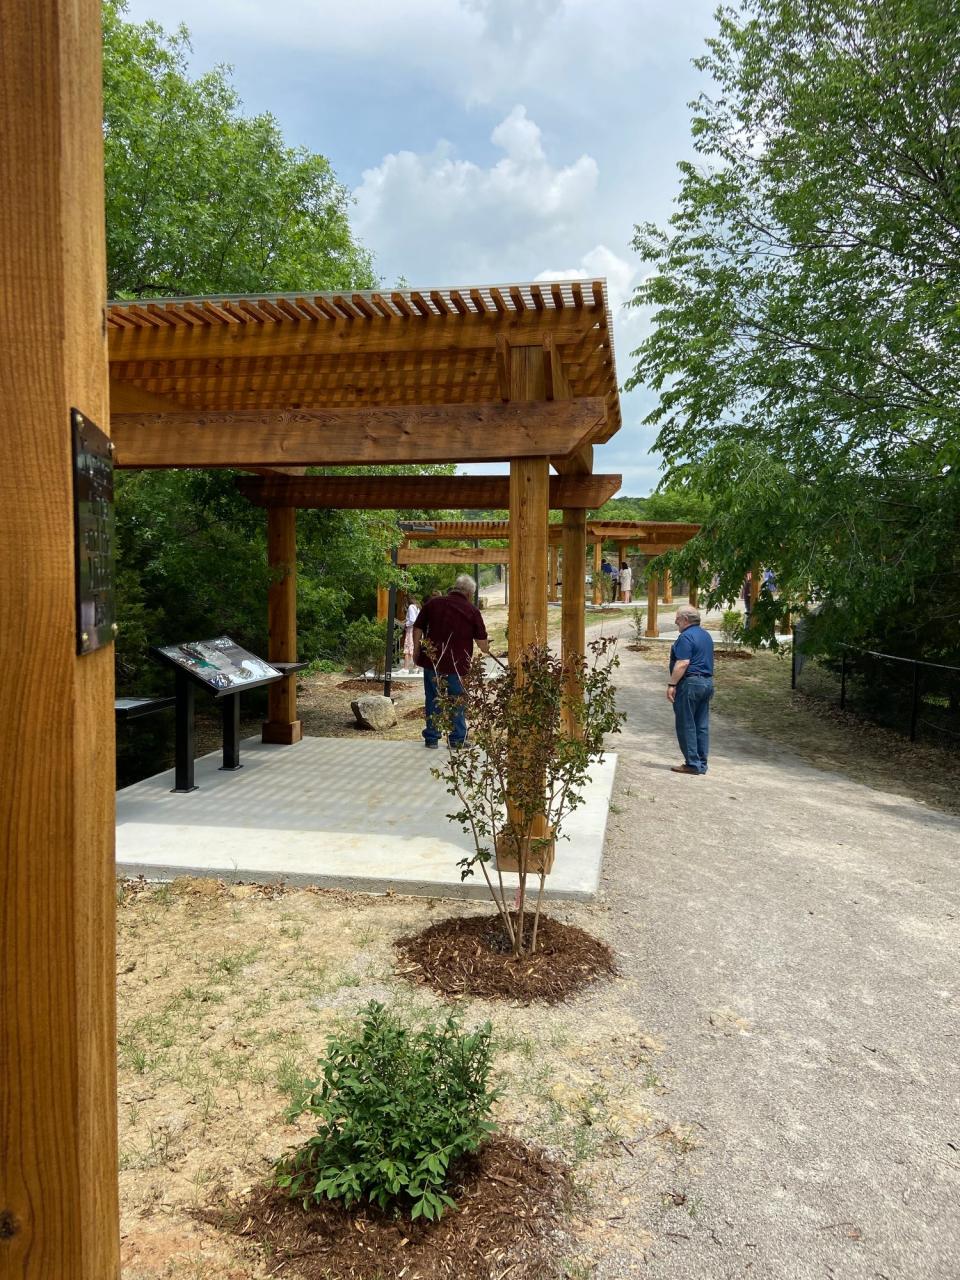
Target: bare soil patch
x=471 y=957
x=733 y=655
x=510 y=1198
x=323 y=703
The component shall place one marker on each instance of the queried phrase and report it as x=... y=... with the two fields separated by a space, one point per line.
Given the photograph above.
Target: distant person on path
x=413 y=612
x=690 y=689
x=447 y=626
x=626 y=582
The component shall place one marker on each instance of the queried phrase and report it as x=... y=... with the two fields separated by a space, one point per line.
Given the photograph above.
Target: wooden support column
x=694 y=595
x=597 y=572
x=383 y=602
x=667 y=587
x=653 y=603
x=552 y=581
x=529 y=515
x=58 y=1105
x=527 y=616
x=573 y=603
x=282 y=725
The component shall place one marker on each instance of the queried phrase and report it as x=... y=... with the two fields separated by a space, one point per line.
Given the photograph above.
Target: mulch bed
x=732 y=654
x=364 y=686
x=415 y=713
x=510 y=1200
x=470 y=956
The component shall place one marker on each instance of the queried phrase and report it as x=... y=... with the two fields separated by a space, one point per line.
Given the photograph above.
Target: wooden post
x=653 y=603
x=383 y=602
x=597 y=572
x=552 y=579
x=573 y=602
x=529 y=494
x=58 y=1131
x=667 y=587
x=693 y=595
x=754 y=593
x=529 y=516
x=282 y=725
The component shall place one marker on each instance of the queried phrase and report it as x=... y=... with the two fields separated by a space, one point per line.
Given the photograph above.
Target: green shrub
x=731 y=627
x=396 y=1106
x=636 y=619
x=364 y=642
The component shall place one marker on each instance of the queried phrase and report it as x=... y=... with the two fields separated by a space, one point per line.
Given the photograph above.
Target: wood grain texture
x=420 y=493
x=666 y=586
x=529 y=510
x=350 y=437
x=58 y=1133
x=282 y=724
x=597 y=571
x=573 y=599
x=653 y=603
x=453 y=555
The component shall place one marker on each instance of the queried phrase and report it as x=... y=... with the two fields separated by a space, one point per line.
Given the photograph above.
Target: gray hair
x=465 y=585
x=690 y=611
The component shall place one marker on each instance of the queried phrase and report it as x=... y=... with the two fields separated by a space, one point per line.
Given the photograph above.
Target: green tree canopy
x=805 y=312
x=201 y=198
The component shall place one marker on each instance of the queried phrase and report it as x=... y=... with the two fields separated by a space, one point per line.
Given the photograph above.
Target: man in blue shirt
x=690 y=689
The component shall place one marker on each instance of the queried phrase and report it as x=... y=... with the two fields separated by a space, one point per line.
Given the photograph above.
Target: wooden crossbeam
x=351 y=437
x=419 y=493
x=321 y=337
x=453 y=555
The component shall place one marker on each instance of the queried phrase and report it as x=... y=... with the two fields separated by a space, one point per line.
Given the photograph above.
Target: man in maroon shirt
x=449 y=624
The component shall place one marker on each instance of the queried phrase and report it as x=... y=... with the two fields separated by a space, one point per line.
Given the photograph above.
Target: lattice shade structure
x=341 y=354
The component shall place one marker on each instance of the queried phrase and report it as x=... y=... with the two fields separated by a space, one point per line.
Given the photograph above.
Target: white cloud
x=439 y=217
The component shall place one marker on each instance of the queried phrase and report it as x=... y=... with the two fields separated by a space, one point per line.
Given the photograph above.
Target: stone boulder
x=374 y=711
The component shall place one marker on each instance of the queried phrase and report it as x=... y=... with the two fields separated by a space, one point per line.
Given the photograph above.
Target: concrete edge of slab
x=382 y=885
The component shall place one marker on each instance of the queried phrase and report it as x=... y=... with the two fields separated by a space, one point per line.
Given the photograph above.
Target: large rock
x=374 y=711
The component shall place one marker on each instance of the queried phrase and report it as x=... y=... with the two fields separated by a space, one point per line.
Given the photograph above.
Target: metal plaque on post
x=93 y=534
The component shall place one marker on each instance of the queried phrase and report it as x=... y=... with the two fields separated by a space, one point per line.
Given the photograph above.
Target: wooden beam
x=598 y=572
x=349 y=437
x=453 y=555
x=420 y=493
x=282 y=725
x=59 y=1216
x=126 y=398
x=323 y=337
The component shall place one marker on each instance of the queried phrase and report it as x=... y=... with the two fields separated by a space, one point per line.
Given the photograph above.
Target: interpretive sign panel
x=219 y=664
x=93 y=534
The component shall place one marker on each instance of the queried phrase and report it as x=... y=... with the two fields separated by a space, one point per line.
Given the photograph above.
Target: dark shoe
x=431 y=746
x=455 y=746
x=684 y=768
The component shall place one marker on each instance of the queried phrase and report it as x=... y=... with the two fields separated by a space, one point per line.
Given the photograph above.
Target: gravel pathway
x=791 y=937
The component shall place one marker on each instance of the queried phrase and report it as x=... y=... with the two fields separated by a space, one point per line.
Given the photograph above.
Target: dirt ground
x=226 y=996
x=756 y=695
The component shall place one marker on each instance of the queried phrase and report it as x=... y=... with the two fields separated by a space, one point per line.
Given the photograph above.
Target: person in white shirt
x=626 y=582
x=413 y=612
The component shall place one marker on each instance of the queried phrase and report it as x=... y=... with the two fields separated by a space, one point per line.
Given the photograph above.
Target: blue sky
x=484 y=140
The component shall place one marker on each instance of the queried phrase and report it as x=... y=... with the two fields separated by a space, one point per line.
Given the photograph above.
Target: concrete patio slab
x=363 y=815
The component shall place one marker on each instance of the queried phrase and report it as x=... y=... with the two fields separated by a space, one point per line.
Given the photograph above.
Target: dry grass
x=226 y=997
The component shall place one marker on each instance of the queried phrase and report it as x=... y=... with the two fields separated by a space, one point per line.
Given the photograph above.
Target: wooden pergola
x=649 y=537
x=523 y=373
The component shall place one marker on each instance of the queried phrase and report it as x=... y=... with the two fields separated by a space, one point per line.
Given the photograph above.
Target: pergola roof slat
x=288 y=352
x=418 y=493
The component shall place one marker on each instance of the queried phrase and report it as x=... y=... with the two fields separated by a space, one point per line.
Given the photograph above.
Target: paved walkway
x=792 y=937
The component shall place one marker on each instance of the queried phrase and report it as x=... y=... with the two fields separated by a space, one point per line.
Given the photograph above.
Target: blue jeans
x=453 y=686
x=691 y=710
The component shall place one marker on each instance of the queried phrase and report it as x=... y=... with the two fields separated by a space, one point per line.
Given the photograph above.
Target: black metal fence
x=918 y=699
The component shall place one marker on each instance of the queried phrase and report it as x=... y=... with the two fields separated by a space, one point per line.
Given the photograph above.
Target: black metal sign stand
x=230 y=708
x=185 y=749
